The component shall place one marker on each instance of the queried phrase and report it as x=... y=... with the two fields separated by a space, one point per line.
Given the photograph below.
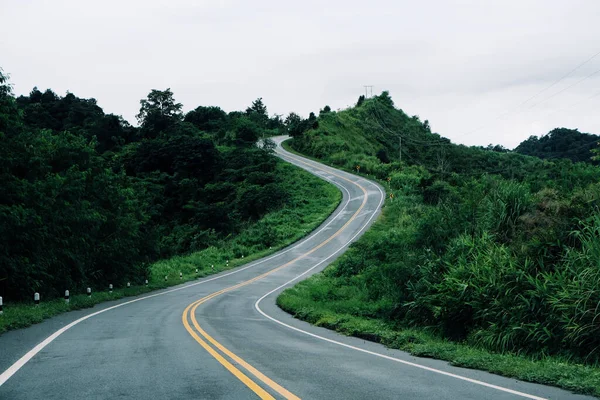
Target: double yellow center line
x=204 y=338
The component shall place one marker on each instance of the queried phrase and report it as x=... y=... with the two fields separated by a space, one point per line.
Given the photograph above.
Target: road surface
x=223 y=337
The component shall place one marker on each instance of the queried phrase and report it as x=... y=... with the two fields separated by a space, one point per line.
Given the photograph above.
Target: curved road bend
x=223 y=337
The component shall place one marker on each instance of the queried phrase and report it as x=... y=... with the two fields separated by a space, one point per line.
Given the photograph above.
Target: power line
x=572 y=105
x=511 y=110
x=567 y=88
x=560 y=79
x=482 y=170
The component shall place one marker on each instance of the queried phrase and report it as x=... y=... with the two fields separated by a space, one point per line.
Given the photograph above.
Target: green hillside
x=492 y=250
x=89 y=200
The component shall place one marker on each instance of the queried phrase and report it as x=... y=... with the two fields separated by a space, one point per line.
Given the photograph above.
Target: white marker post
x=128 y=285
x=180 y=275
x=110 y=287
x=36 y=298
x=165 y=278
x=242 y=256
x=212 y=267
x=67 y=297
x=196 y=270
x=1 y=311
x=89 y=292
x=146 y=282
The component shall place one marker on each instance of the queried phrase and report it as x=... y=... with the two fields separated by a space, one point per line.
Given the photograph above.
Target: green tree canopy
x=561 y=143
x=207 y=119
x=158 y=112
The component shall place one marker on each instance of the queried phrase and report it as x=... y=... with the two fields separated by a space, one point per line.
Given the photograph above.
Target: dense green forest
x=562 y=143
x=492 y=248
x=89 y=199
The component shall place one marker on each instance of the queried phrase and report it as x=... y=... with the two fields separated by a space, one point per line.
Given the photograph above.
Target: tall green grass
x=481 y=271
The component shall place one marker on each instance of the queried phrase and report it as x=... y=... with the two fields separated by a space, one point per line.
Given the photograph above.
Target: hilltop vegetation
x=87 y=199
x=491 y=248
x=562 y=143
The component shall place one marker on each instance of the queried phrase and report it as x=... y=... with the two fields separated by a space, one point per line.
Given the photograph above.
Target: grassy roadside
x=342 y=303
x=311 y=201
x=306 y=301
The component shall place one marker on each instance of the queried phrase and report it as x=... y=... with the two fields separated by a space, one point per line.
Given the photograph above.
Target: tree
x=247 y=132
x=361 y=100
x=325 y=110
x=111 y=131
x=383 y=156
x=9 y=113
x=426 y=126
x=207 y=119
x=257 y=107
x=385 y=99
x=312 y=121
x=295 y=125
x=258 y=112
x=561 y=143
x=158 y=112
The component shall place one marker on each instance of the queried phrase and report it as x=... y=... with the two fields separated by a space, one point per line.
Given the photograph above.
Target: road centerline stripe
x=191 y=309
x=263 y=394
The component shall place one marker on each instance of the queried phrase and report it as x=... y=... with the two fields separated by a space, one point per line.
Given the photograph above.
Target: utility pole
x=367 y=88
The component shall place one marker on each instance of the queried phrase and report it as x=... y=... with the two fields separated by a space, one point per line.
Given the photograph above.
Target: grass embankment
x=309 y=301
x=310 y=202
x=393 y=286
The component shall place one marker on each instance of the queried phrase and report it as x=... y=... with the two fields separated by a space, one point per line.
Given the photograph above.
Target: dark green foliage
x=258 y=113
x=66 y=217
x=79 y=116
x=246 y=132
x=158 y=113
x=561 y=143
x=10 y=119
x=296 y=126
x=493 y=248
x=207 y=119
x=361 y=100
x=383 y=156
x=88 y=199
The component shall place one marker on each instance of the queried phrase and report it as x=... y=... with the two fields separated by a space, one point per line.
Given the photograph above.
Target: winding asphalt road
x=223 y=337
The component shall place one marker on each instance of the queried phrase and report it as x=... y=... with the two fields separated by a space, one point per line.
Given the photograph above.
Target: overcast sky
x=465 y=65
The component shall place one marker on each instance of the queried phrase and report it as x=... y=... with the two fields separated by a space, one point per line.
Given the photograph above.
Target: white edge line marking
x=10 y=371
x=256 y=305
